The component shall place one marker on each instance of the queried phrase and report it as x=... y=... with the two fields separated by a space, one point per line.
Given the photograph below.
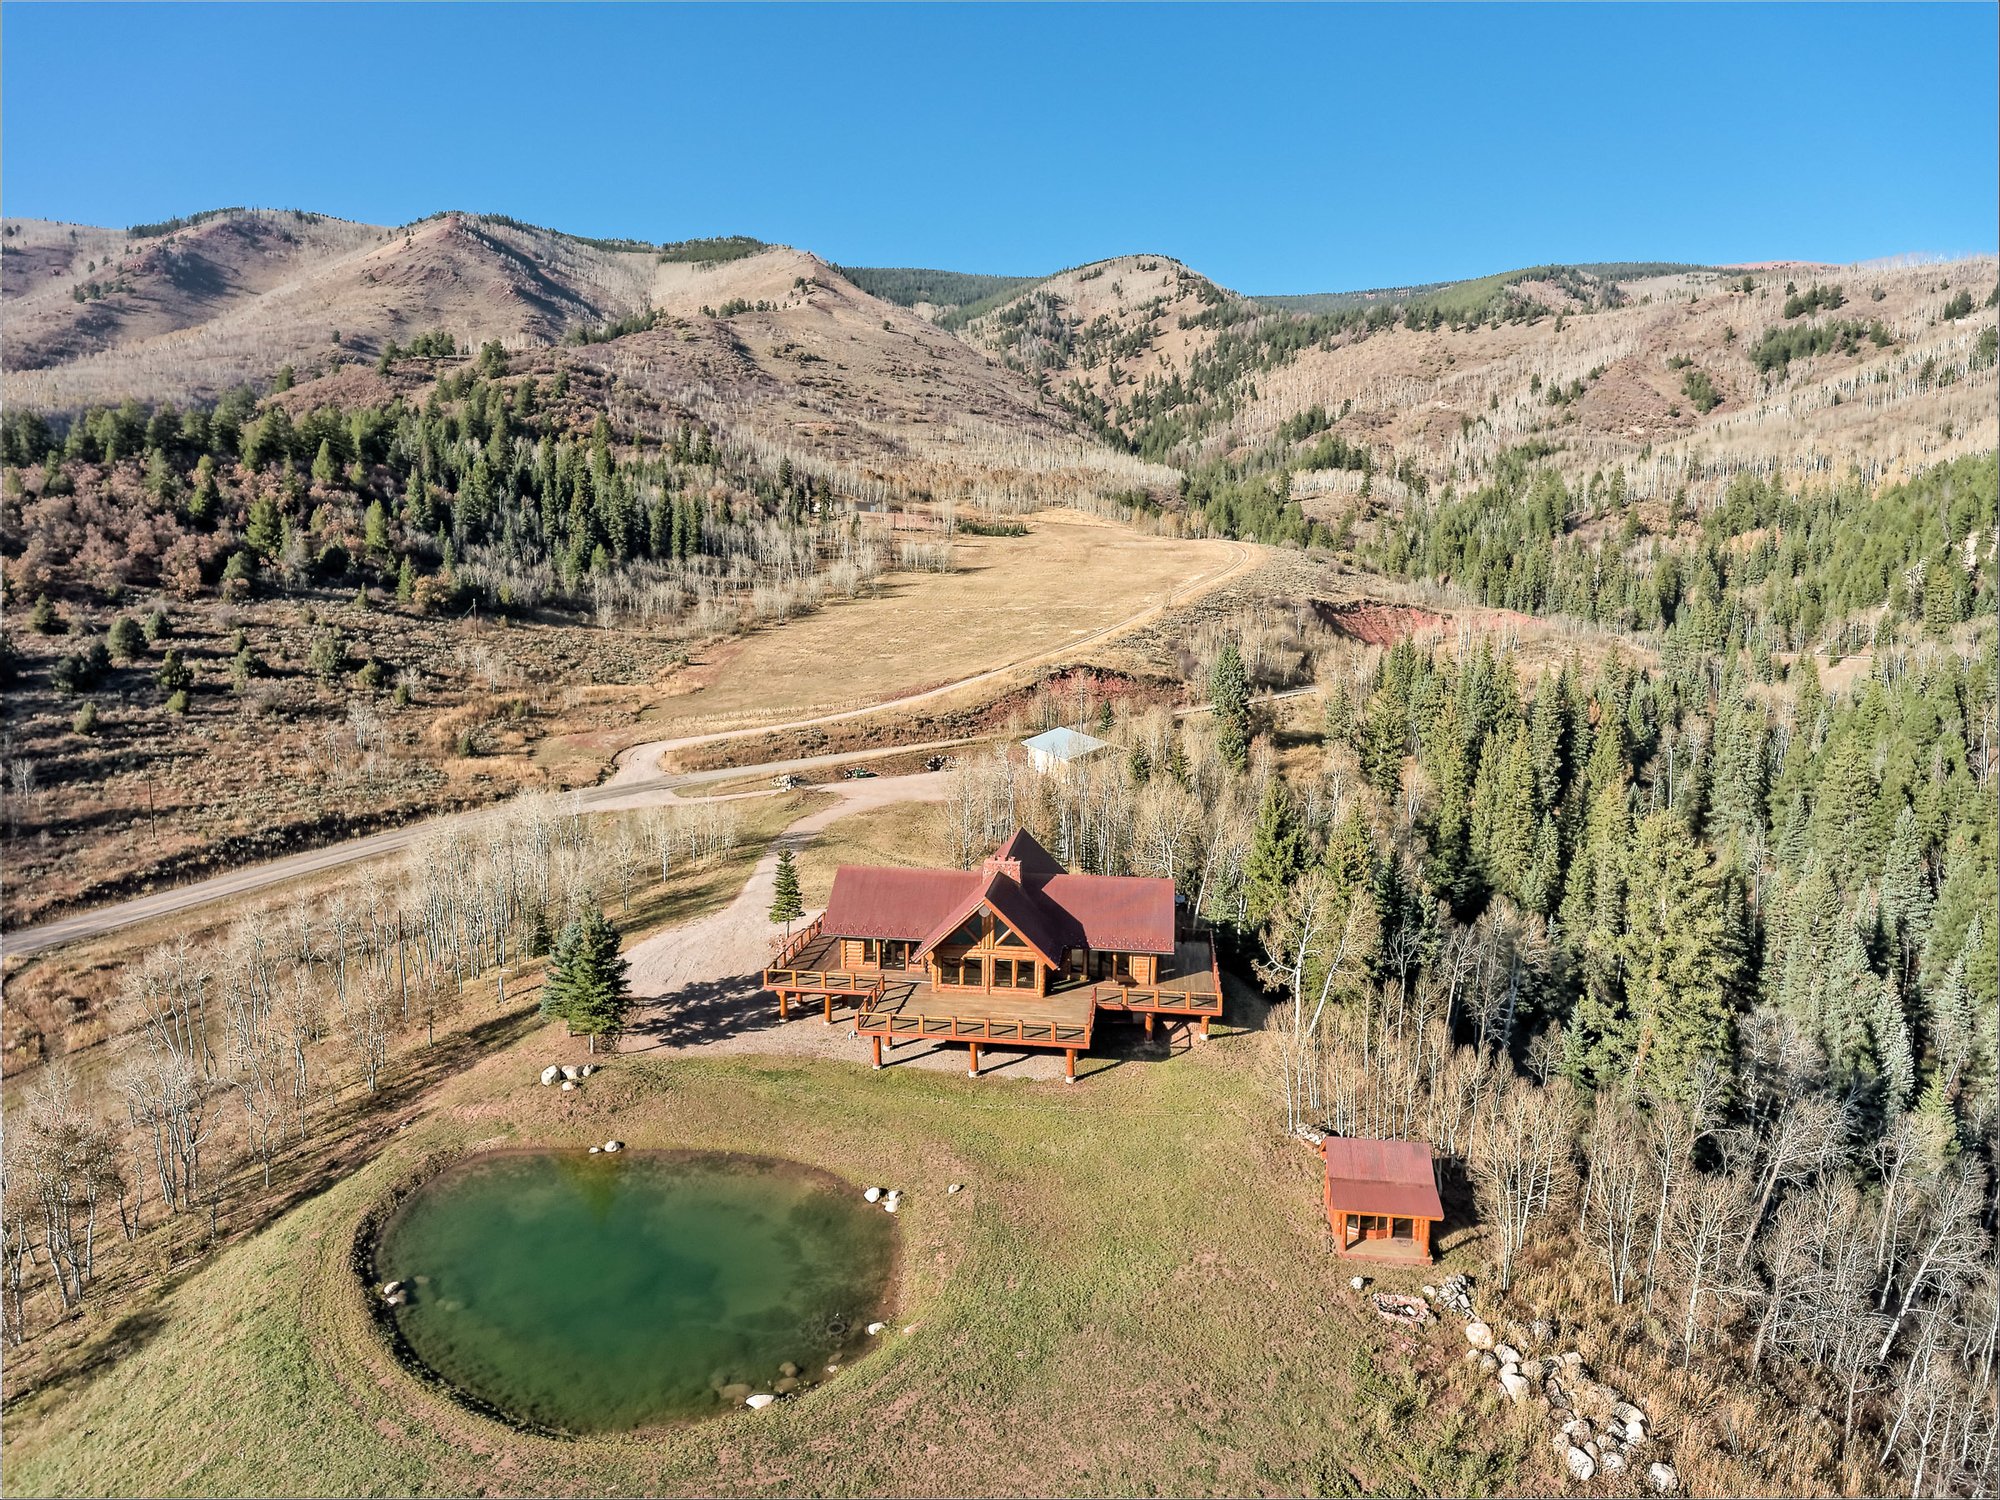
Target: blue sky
x=1276 y=149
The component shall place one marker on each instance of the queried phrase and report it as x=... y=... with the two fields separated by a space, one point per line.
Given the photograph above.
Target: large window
x=1013 y=973
x=885 y=953
x=969 y=973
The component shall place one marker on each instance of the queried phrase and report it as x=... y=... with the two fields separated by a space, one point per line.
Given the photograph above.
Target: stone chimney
x=993 y=864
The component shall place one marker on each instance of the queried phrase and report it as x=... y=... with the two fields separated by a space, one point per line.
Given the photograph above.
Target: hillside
x=768 y=343
x=1100 y=379
x=1684 y=377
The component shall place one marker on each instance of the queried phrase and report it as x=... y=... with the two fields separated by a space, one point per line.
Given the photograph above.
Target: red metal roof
x=1381 y=1177
x=1116 y=913
x=869 y=901
x=1053 y=911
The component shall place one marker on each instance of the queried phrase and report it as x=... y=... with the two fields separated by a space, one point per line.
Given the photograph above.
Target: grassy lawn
x=1132 y=1296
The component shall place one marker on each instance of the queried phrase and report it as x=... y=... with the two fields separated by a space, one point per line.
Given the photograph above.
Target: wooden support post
x=1069 y=1065
x=783 y=1012
x=877 y=1040
x=829 y=1007
x=1204 y=1026
x=973 y=1071
x=1149 y=1023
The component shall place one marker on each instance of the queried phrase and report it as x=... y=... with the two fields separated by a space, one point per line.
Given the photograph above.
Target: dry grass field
x=1037 y=597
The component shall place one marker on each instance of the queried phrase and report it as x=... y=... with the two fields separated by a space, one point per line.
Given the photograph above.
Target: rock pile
x=1600 y=1431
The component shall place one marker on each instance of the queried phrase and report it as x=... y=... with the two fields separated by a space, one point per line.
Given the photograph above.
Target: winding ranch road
x=635 y=782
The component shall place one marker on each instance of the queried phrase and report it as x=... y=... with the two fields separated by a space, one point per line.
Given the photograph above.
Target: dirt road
x=635 y=782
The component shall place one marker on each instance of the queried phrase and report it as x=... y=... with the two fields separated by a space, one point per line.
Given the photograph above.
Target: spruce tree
x=786 y=903
x=1277 y=856
x=1229 y=691
x=585 y=987
x=1683 y=955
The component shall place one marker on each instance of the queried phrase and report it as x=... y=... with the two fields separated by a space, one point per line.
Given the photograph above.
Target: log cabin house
x=1381 y=1197
x=1018 y=953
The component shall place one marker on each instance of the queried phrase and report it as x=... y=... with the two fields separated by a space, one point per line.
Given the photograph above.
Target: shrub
x=85 y=721
x=126 y=642
x=327 y=655
x=157 y=627
x=177 y=703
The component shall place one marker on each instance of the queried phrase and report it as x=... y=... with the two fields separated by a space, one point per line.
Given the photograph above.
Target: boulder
x=1359 y=1283
x=571 y=1071
x=595 y=1149
x=389 y=1289
x=551 y=1074
x=875 y=1328
x=1576 y=1430
x=1573 y=1360
x=586 y=1070
x=1611 y=1461
x=614 y=1146
x=833 y=1369
x=735 y=1391
x=1542 y=1330
x=956 y=1187
x=871 y=1195
x=891 y=1204
x=1478 y=1335
x=788 y=1369
x=1581 y=1464
x=1487 y=1363
x=759 y=1401
x=1515 y=1385
x=1665 y=1481
x=1507 y=1354
x=786 y=1385
x=568 y=1084
x=1430 y=1291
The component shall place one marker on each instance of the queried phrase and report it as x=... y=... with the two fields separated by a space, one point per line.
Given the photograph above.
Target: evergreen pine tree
x=1683 y=955
x=786 y=904
x=1277 y=856
x=585 y=987
x=1229 y=691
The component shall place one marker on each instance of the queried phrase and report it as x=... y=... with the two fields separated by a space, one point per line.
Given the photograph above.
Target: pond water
x=592 y=1293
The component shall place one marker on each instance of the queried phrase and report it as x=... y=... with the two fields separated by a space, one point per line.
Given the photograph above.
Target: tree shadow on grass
x=705 y=1011
x=90 y=1357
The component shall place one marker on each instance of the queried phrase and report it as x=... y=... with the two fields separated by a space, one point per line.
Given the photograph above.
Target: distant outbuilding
x=1056 y=750
x=1381 y=1197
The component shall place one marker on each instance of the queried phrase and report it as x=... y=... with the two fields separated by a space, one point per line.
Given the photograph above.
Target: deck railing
x=824 y=981
x=1018 y=1029
x=798 y=943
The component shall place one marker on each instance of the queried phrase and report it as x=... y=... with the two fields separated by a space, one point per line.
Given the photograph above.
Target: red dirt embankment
x=1374 y=623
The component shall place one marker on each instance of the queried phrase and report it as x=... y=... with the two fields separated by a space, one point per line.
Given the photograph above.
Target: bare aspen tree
x=1520 y=1163
x=1950 y=1248
x=1803 y=1140
x=1616 y=1189
x=1707 y=1215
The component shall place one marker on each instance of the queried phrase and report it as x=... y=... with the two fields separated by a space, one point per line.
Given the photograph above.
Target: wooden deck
x=897 y=1005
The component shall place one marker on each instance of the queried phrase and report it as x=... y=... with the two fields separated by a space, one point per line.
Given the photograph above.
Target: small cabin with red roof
x=1381 y=1197
x=1019 y=952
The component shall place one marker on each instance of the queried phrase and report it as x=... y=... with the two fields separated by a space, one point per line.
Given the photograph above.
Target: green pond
x=590 y=1293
